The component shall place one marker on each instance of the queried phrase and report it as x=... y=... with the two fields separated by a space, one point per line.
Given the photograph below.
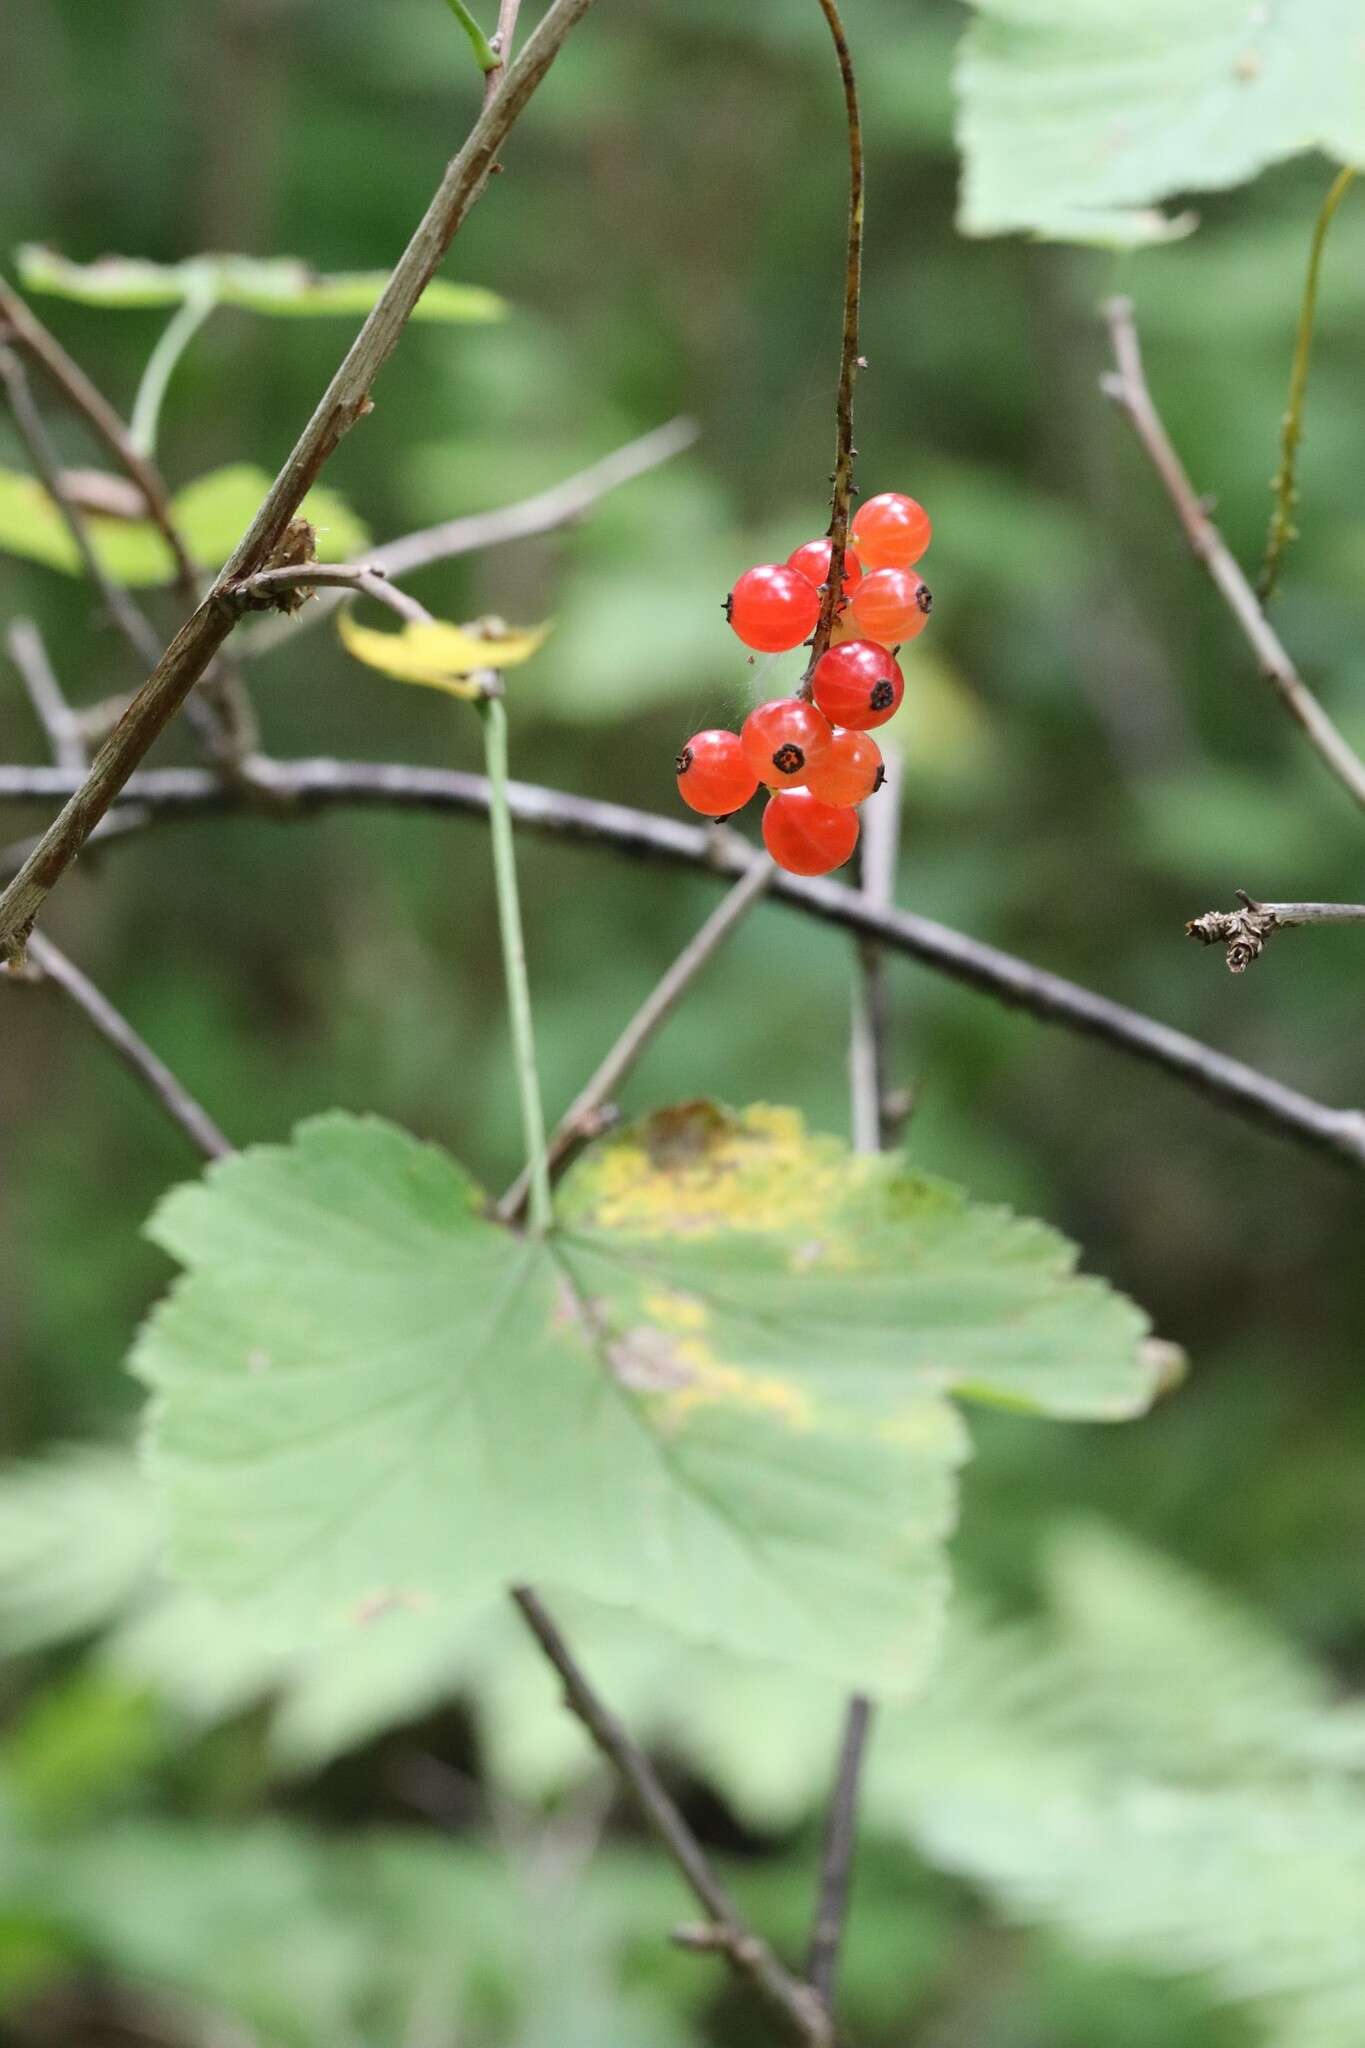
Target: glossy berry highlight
x=849 y=772
x=891 y=531
x=773 y=608
x=891 y=605
x=858 y=684
x=812 y=561
x=783 y=740
x=807 y=837
x=714 y=777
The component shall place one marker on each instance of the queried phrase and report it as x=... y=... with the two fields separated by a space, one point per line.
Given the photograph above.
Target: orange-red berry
x=805 y=836
x=891 y=531
x=812 y=561
x=714 y=777
x=891 y=605
x=858 y=684
x=773 y=608
x=850 y=771
x=783 y=740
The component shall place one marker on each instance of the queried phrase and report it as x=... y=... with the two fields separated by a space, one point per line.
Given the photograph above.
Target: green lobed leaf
x=212 y=513
x=274 y=284
x=719 y=1394
x=1078 y=117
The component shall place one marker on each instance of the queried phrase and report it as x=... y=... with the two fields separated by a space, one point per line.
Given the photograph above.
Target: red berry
x=891 y=532
x=805 y=836
x=858 y=684
x=892 y=605
x=773 y=608
x=713 y=775
x=849 y=772
x=783 y=740
x=812 y=562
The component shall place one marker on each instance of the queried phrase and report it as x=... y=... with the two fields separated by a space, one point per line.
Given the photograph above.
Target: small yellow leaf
x=440 y=655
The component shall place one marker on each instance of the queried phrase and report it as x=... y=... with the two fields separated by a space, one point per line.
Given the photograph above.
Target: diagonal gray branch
x=1127 y=386
x=313 y=784
x=652 y=1014
x=747 y=1953
x=473 y=531
x=48 y=963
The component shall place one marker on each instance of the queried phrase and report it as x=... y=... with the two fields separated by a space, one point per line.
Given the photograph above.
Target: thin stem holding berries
x=841 y=503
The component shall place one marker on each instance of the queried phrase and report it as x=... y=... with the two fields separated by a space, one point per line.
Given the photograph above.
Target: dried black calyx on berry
x=924 y=598
x=789 y=759
x=684 y=761
x=883 y=693
x=881 y=777
x=729 y=610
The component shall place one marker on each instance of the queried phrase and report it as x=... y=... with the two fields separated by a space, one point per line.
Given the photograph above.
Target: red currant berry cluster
x=816 y=758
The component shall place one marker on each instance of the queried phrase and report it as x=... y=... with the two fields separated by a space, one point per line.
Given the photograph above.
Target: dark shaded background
x=1091 y=757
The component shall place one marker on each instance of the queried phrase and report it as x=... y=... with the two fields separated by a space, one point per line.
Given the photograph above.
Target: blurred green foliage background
x=1091 y=760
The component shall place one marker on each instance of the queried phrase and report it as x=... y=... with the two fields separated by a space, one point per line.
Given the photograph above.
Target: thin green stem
x=485 y=56
x=180 y=331
x=494 y=714
x=1285 y=486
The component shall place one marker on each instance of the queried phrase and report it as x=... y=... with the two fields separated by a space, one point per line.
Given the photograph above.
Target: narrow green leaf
x=275 y=284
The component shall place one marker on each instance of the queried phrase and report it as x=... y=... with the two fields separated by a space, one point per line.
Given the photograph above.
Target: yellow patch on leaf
x=697 y=1171
x=438 y=655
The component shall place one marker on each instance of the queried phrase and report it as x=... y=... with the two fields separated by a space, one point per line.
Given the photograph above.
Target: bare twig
x=747 y=1953
x=48 y=963
x=135 y=627
x=305 y=785
x=548 y=510
x=841 y=502
x=24 y=645
x=345 y=401
x=1245 y=931
x=836 y=1861
x=1285 y=487
x=658 y=1005
x=1128 y=388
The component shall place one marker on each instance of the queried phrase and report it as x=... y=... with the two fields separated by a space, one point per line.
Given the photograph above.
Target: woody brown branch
x=303 y=786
